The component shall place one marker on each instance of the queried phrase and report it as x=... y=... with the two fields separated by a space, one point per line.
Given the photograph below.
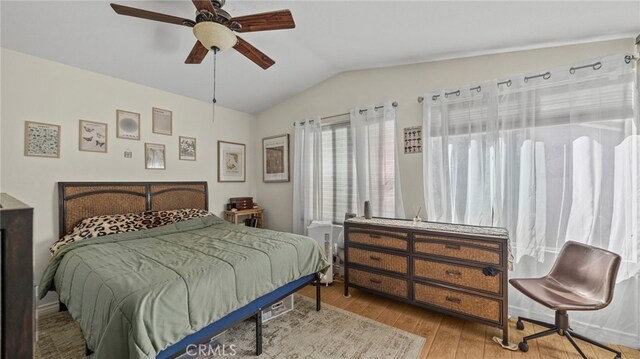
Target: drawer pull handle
x=375 y=258
x=452 y=246
x=453 y=299
x=375 y=280
x=490 y=271
x=453 y=273
x=374 y=236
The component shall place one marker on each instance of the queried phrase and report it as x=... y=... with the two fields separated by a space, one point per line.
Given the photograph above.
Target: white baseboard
x=44 y=310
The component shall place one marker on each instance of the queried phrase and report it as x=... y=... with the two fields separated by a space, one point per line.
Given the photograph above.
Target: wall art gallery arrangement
x=43 y=139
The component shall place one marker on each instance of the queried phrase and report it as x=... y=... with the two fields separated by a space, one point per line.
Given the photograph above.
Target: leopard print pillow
x=119 y=223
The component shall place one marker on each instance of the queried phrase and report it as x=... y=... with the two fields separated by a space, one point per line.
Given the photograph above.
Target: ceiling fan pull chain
x=213 y=110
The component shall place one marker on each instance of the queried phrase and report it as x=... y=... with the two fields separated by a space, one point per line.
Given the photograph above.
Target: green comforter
x=134 y=294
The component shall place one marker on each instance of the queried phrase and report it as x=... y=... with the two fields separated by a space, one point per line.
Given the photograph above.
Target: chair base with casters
x=562 y=328
x=582 y=278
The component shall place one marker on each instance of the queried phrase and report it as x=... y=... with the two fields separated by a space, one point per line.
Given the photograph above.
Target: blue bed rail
x=252 y=309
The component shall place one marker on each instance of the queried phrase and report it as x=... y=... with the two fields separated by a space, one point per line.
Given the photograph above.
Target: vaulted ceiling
x=330 y=37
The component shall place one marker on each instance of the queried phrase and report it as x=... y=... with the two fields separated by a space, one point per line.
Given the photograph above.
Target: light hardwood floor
x=450 y=337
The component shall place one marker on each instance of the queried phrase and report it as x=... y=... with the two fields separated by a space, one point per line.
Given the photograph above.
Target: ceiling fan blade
x=150 y=15
x=197 y=54
x=253 y=54
x=205 y=5
x=273 y=20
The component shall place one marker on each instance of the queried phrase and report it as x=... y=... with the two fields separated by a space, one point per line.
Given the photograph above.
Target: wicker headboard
x=80 y=200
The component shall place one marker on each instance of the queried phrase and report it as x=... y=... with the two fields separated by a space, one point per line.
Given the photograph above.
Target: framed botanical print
x=41 y=139
x=128 y=125
x=231 y=162
x=275 y=159
x=187 y=148
x=93 y=136
x=413 y=139
x=154 y=156
x=162 y=121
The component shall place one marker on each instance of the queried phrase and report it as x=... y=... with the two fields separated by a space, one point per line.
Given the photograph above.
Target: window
x=339 y=191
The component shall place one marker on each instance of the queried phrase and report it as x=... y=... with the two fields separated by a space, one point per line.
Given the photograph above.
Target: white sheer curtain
x=373 y=133
x=307 y=173
x=460 y=133
x=552 y=158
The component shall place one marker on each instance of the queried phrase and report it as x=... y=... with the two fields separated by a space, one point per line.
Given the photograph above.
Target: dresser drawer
x=389 y=262
x=379 y=282
x=475 y=251
x=469 y=304
x=474 y=242
x=383 y=239
x=463 y=276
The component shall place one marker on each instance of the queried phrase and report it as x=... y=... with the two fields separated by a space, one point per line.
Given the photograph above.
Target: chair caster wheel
x=519 y=325
x=523 y=346
x=617 y=357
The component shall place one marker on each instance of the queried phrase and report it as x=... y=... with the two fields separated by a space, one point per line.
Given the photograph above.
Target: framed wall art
x=154 y=156
x=413 y=139
x=231 y=162
x=41 y=139
x=275 y=159
x=187 y=148
x=162 y=121
x=128 y=125
x=93 y=136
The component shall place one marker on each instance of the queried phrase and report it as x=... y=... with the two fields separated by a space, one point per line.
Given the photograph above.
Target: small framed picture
x=162 y=121
x=275 y=159
x=154 y=156
x=128 y=125
x=93 y=136
x=41 y=139
x=187 y=148
x=413 y=139
x=231 y=162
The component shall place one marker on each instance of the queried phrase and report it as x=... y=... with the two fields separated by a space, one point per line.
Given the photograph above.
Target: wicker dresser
x=454 y=269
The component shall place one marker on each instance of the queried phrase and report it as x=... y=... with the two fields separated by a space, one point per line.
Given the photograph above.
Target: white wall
x=34 y=89
x=403 y=84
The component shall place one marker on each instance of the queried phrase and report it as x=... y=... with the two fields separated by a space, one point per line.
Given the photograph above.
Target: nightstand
x=232 y=216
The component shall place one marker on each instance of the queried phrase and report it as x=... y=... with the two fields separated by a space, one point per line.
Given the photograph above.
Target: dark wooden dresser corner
x=16 y=266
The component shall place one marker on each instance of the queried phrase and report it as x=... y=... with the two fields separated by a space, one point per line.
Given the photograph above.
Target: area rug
x=301 y=333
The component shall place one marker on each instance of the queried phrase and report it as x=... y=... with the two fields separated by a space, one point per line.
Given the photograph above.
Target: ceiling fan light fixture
x=211 y=34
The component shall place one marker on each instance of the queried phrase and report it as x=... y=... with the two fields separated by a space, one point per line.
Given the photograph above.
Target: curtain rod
x=546 y=75
x=477 y=88
x=394 y=104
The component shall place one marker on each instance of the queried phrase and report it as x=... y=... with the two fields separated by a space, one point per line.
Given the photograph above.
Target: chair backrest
x=589 y=270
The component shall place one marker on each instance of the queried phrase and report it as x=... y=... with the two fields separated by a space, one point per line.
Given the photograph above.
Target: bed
x=151 y=293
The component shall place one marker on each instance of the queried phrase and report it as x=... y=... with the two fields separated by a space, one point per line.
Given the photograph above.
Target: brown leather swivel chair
x=582 y=278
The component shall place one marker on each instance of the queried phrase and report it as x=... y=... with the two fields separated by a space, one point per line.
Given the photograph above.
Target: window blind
x=338 y=172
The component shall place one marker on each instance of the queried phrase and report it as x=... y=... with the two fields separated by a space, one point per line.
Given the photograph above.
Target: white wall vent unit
x=322 y=232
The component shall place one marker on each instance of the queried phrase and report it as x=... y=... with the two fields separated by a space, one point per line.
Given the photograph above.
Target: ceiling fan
x=214 y=28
